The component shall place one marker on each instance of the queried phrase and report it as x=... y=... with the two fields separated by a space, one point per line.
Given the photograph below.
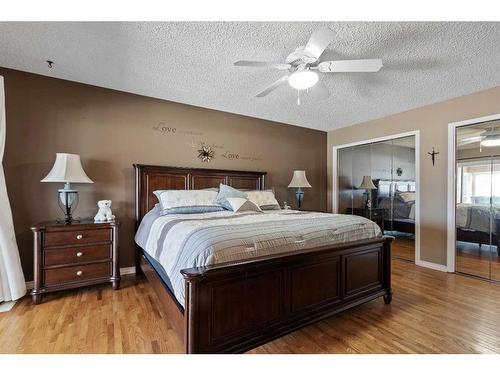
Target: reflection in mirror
x=473 y=217
x=478 y=199
x=361 y=166
x=389 y=200
x=495 y=221
x=345 y=180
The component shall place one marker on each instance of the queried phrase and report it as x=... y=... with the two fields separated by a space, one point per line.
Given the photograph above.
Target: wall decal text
x=236 y=156
x=172 y=130
x=193 y=142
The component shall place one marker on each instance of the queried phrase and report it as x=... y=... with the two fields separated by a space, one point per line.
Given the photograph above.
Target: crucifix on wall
x=433 y=156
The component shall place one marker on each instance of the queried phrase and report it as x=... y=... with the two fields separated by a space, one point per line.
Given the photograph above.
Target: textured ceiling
x=191 y=62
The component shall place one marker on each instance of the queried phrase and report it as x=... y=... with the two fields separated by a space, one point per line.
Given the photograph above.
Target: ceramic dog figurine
x=104 y=213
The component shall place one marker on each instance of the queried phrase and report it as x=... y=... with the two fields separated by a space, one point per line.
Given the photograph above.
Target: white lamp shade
x=367 y=183
x=299 y=180
x=67 y=168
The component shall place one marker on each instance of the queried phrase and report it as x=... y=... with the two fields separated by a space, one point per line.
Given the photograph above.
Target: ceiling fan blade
x=350 y=66
x=260 y=64
x=468 y=141
x=319 y=40
x=272 y=86
x=319 y=91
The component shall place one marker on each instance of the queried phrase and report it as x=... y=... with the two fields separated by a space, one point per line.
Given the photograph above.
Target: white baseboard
x=123 y=271
x=434 y=266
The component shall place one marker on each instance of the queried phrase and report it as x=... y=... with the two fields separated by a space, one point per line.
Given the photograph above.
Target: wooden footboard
x=231 y=308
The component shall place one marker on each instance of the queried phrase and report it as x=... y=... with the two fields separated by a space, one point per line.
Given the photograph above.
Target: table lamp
x=368 y=185
x=299 y=181
x=68 y=169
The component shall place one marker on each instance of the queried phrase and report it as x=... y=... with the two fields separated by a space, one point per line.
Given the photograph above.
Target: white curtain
x=12 y=285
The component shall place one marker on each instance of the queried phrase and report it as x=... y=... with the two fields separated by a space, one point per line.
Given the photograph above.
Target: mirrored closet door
x=477 y=211
x=377 y=181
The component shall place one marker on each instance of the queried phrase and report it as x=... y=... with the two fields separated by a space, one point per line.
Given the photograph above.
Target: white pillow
x=171 y=200
x=262 y=198
x=242 y=204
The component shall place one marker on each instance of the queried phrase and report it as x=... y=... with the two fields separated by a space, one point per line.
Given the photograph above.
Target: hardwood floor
x=482 y=261
x=90 y=320
x=431 y=312
x=404 y=248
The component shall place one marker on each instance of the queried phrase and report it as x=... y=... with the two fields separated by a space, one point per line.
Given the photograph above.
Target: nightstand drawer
x=376 y=213
x=77 y=273
x=75 y=255
x=64 y=238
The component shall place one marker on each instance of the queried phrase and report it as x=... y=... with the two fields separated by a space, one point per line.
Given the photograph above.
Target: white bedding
x=476 y=217
x=183 y=241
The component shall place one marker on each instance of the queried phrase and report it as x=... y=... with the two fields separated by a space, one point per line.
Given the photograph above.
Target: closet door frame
x=335 y=182
x=451 y=231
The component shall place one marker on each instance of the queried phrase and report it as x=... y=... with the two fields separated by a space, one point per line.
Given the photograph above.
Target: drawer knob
x=79 y=273
x=79 y=236
x=79 y=254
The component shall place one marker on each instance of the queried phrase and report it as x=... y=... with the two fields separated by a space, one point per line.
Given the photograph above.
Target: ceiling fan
x=486 y=138
x=303 y=65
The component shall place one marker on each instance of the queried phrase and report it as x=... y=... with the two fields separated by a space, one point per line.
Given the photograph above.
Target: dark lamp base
x=299 y=197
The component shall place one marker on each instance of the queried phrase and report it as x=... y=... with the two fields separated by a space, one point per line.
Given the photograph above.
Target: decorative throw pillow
x=265 y=199
x=226 y=191
x=407 y=196
x=242 y=204
x=187 y=201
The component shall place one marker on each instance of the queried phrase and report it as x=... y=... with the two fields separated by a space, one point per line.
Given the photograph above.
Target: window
x=477 y=181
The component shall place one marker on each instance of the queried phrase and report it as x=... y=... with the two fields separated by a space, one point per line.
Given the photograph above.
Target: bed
x=238 y=303
x=473 y=224
x=399 y=215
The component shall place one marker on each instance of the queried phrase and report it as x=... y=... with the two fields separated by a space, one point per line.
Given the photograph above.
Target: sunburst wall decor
x=205 y=153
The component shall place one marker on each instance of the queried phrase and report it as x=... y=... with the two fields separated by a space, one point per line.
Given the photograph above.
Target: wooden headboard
x=149 y=178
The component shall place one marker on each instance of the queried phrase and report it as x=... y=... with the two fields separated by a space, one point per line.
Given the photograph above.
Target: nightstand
x=73 y=255
x=374 y=214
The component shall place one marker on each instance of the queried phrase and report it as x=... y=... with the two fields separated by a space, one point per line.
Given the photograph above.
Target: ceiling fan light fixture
x=303 y=80
x=491 y=142
x=491 y=138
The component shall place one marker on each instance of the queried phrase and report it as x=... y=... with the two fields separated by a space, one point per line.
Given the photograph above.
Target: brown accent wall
x=111 y=130
x=432 y=121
